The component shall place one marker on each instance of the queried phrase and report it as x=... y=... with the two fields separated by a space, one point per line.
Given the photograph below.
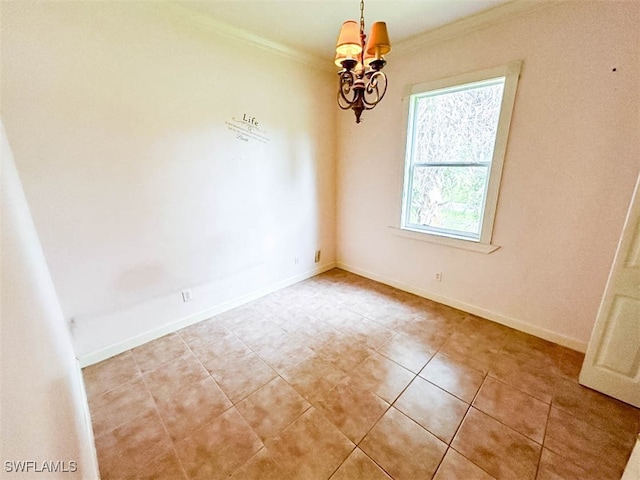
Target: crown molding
x=515 y=8
x=479 y=21
x=206 y=21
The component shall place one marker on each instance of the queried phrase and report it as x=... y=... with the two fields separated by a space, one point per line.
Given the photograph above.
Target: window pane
x=448 y=198
x=457 y=126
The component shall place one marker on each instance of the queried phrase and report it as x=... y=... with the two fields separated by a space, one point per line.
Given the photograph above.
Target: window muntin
x=456 y=138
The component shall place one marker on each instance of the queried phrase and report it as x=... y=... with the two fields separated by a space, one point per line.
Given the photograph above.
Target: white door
x=612 y=363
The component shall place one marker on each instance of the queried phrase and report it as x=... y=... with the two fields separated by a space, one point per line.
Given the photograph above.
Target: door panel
x=612 y=363
x=618 y=350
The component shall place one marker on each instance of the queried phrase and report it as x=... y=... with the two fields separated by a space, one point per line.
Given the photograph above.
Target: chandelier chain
x=361 y=17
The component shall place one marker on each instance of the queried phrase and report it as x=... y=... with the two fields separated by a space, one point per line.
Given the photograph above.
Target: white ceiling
x=312 y=26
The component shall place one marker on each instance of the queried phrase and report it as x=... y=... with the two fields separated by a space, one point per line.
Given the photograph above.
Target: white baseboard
x=473 y=309
x=173 y=326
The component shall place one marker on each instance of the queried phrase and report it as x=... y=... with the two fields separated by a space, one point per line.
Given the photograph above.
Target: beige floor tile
x=110 y=373
x=517 y=340
x=597 y=451
x=259 y=333
x=336 y=315
x=311 y=448
x=238 y=316
x=454 y=376
x=313 y=377
x=381 y=376
x=359 y=466
x=313 y=333
x=534 y=351
x=468 y=348
x=376 y=309
x=204 y=332
x=433 y=408
x=404 y=449
x=284 y=353
x=164 y=467
x=122 y=451
x=353 y=411
x=570 y=362
x=261 y=466
x=555 y=467
x=218 y=448
x=595 y=408
x=367 y=332
x=160 y=351
x=119 y=405
x=497 y=449
x=272 y=408
x=534 y=380
x=198 y=404
x=172 y=377
x=514 y=408
x=274 y=304
x=456 y=467
x=484 y=331
x=243 y=377
x=445 y=316
x=343 y=354
x=330 y=339
x=431 y=334
x=405 y=351
x=221 y=352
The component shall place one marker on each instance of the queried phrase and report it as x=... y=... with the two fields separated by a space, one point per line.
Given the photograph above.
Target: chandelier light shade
x=362 y=82
x=378 y=40
x=349 y=43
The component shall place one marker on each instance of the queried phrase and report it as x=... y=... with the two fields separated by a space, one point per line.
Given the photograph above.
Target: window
x=456 y=140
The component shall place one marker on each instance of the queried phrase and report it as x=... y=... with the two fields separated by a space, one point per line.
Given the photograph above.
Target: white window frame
x=511 y=73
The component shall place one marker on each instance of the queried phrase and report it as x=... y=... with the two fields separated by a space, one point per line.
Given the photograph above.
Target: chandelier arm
x=347 y=95
x=343 y=102
x=371 y=95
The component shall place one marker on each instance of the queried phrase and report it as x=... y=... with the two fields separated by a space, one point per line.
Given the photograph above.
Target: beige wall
x=43 y=407
x=571 y=163
x=118 y=114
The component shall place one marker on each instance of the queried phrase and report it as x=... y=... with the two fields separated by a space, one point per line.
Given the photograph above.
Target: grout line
x=208 y=373
x=474 y=463
x=544 y=438
x=376 y=463
x=343 y=461
x=354 y=308
x=469 y=405
x=435 y=472
x=164 y=426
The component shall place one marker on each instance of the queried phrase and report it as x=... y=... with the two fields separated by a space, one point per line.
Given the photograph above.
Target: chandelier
x=362 y=82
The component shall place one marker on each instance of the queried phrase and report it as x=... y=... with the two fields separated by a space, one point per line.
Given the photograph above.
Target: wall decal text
x=246 y=129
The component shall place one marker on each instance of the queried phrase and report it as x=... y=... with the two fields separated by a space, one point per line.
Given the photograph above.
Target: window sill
x=447 y=241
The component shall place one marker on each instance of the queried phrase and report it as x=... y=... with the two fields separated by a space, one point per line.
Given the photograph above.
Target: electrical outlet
x=438 y=276
x=317 y=259
x=187 y=296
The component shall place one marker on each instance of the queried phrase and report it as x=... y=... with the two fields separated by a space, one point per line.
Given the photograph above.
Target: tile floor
x=340 y=377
